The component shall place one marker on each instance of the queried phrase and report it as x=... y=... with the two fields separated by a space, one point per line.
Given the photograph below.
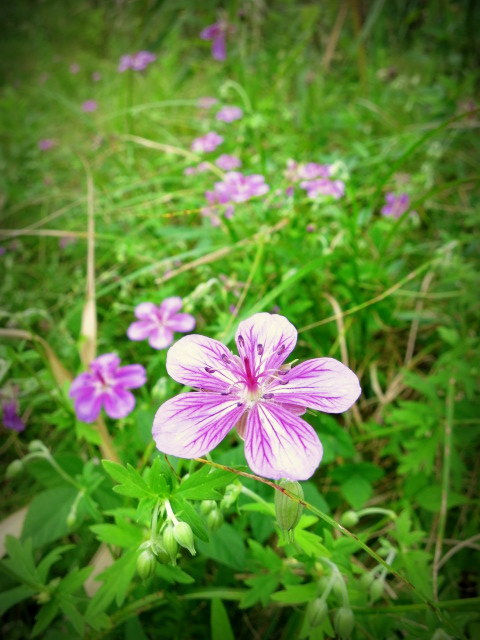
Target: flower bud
x=232 y=492
x=161 y=554
x=184 y=536
x=376 y=589
x=36 y=445
x=214 y=519
x=344 y=622
x=288 y=511
x=366 y=580
x=14 y=469
x=43 y=597
x=349 y=519
x=206 y=506
x=169 y=543
x=71 y=519
x=146 y=564
x=338 y=587
x=317 y=611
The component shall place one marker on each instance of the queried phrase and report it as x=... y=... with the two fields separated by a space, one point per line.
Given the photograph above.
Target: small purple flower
x=136 y=61
x=46 y=144
x=323 y=187
x=96 y=76
x=105 y=385
x=89 y=105
x=241 y=187
x=200 y=168
x=3 y=251
x=254 y=392
x=11 y=418
x=207 y=102
x=66 y=241
x=312 y=170
x=310 y=228
x=207 y=143
x=289 y=191
x=74 y=68
x=229 y=114
x=157 y=323
x=395 y=205
x=228 y=163
x=217 y=34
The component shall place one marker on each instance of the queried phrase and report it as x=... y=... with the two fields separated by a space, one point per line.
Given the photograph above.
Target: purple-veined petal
x=160 y=338
x=88 y=405
x=181 y=322
x=219 y=49
x=170 y=306
x=202 y=362
x=131 y=376
x=145 y=310
x=279 y=444
x=140 y=330
x=266 y=339
x=322 y=383
x=191 y=424
x=118 y=403
x=81 y=383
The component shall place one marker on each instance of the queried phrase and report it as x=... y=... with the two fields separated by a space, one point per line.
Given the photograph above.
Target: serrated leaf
x=225 y=546
x=173 y=574
x=46 y=519
x=50 y=559
x=116 y=581
x=296 y=594
x=310 y=544
x=261 y=587
x=202 y=484
x=20 y=560
x=130 y=481
x=45 y=616
x=123 y=534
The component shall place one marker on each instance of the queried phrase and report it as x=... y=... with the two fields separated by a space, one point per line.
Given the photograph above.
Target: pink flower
x=89 y=105
x=46 y=144
x=323 y=187
x=136 y=61
x=200 y=168
x=240 y=187
x=228 y=163
x=206 y=102
x=96 y=76
x=229 y=114
x=312 y=170
x=395 y=205
x=11 y=418
x=157 y=324
x=254 y=392
x=207 y=143
x=74 y=68
x=217 y=34
x=105 y=385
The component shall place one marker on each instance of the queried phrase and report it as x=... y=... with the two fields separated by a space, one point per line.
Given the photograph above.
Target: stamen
x=209 y=370
x=225 y=358
x=260 y=349
x=283 y=382
x=281 y=348
x=239 y=404
x=241 y=341
x=267 y=396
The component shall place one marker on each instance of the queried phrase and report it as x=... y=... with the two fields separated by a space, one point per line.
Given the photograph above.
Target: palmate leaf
x=123 y=534
x=203 y=484
x=130 y=481
x=14 y=596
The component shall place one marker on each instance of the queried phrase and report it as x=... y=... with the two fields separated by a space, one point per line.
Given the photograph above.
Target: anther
x=283 y=382
x=225 y=358
x=241 y=341
x=239 y=404
x=209 y=370
x=281 y=348
x=267 y=396
x=260 y=349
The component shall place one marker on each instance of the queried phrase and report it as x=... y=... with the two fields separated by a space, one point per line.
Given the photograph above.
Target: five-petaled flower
x=254 y=392
x=395 y=205
x=207 y=143
x=229 y=114
x=105 y=385
x=157 y=323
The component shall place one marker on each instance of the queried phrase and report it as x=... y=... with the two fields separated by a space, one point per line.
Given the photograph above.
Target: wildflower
x=11 y=418
x=89 y=105
x=217 y=34
x=395 y=205
x=66 y=241
x=106 y=384
x=254 y=392
x=229 y=114
x=74 y=68
x=240 y=187
x=228 y=163
x=96 y=76
x=206 y=102
x=200 y=168
x=157 y=323
x=208 y=142
x=324 y=187
x=136 y=61
x=46 y=144
x=310 y=228
x=312 y=170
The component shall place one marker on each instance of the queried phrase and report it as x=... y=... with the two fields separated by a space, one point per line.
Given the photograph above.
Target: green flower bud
x=376 y=589
x=206 y=506
x=366 y=580
x=169 y=543
x=71 y=518
x=344 y=622
x=43 y=597
x=35 y=446
x=232 y=492
x=184 y=536
x=14 y=469
x=349 y=519
x=161 y=554
x=317 y=611
x=146 y=564
x=441 y=634
x=287 y=511
x=322 y=584
x=338 y=587
x=214 y=519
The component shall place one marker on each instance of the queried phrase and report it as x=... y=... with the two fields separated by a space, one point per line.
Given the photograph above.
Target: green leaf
x=130 y=481
x=225 y=546
x=123 y=534
x=20 y=561
x=296 y=594
x=310 y=544
x=173 y=574
x=202 y=484
x=46 y=518
x=50 y=560
x=74 y=580
x=262 y=586
x=13 y=596
x=430 y=498
x=219 y=621
x=45 y=616
x=356 y=491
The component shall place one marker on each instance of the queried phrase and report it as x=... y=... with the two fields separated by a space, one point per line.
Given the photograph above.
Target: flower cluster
x=106 y=385
x=207 y=143
x=158 y=323
x=229 y=114
x=235 y=187
x=316 y=179
x=136 y=61
x=395 y=205
x=256 y=393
